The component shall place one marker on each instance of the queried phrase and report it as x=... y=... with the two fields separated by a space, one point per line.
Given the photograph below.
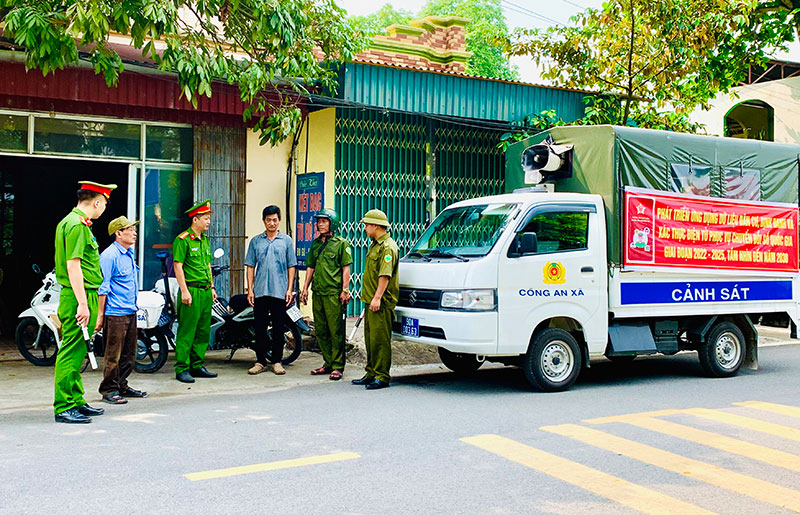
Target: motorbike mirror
x=36 y=269
x=218 y=253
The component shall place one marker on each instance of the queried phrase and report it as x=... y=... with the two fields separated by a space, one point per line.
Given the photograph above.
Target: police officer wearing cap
x=380 y=290
x=117 y=311
x=78 y=272
x=328 y=272
x=191 y=253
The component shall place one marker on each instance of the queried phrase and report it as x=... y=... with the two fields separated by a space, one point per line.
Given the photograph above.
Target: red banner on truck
x=686 y=231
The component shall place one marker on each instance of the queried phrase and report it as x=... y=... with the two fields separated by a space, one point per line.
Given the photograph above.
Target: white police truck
x=632 y=242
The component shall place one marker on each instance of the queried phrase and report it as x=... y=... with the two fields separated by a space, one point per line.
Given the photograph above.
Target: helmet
x=376 y=217
x=331 y=215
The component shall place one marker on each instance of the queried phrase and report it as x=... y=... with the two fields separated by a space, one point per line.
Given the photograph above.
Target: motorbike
x=38 y=337
x=232 y=323
x=37 y=331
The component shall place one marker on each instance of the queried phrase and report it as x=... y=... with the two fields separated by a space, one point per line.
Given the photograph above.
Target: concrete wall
x=266 y=173
x=782 y=95
x=318 y=155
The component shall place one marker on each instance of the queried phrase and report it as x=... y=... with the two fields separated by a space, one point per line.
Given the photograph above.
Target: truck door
x=561 y=273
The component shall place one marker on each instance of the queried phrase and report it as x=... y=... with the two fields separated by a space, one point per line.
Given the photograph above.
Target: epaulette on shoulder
x=183 y=235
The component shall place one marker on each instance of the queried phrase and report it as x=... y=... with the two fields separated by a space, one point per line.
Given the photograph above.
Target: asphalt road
x=432 y=443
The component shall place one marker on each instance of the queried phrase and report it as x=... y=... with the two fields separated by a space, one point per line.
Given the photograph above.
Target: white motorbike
x=38 y=334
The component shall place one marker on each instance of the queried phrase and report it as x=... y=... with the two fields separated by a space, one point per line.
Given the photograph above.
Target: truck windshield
x=469 y=231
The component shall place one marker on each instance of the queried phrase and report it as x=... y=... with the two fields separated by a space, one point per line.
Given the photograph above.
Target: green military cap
x=376 y=217
x=200 y=208
x=120 y=223
x=104 y=189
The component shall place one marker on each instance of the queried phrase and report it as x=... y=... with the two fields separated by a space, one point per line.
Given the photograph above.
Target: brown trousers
x=120 y=355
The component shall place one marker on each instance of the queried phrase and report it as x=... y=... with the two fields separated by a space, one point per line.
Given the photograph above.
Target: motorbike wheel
x=42 y=354
x=152 y=348
x=292 y=343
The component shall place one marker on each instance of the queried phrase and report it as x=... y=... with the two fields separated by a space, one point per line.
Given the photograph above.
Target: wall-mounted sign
x=310 y=199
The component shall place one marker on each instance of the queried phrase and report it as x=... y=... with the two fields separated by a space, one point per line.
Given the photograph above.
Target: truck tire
x=722 y=353
x=459 y=362
x=553 y=361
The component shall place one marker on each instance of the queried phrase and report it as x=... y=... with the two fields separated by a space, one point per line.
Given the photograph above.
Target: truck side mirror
x=524 y=243
x=528 y=243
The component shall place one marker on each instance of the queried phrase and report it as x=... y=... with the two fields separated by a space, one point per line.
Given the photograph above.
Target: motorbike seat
x=238 y=303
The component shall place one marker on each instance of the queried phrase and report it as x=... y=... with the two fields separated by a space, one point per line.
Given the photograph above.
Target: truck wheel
x=723 y=352
x=460 y=362
x=553 y=361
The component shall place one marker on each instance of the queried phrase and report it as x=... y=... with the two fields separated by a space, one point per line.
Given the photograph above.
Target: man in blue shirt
x=117 y=311
x=270 y=265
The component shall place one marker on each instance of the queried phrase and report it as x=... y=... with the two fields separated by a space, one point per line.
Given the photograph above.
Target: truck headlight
x=469 y=300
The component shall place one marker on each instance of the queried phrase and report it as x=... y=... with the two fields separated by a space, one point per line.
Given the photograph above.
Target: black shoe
x=363 y=380
x=90 y=411
x=202 y=372
x=377 y=385
x=184 y=377
x=132 y=392
x=72 y=416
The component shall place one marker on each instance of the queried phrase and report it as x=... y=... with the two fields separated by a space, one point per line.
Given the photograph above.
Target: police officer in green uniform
x=328 y=266
x=380 y=289
x=78 y=272
x=191 y=253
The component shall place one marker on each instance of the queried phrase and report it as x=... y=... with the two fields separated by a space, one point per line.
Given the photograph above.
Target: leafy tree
x=485 y=33
x=783 y=13
x=651 y=55
x=254 y=44
x=377 y=22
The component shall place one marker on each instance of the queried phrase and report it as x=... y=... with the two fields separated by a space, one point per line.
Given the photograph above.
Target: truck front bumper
x=457 y=331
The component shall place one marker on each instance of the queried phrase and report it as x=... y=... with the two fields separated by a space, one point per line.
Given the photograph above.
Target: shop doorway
x=35 y=194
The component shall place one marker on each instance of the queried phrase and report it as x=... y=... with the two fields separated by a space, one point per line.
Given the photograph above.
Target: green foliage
x=601 y=110
x=486 y=33
x=376 y=23
x=251 y=43
x=781 y=15
x=675 y=54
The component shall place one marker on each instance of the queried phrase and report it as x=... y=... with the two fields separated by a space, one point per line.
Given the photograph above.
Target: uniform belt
x=197 y=284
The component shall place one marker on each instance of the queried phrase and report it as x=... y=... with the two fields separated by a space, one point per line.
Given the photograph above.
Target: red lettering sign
x=685 y=231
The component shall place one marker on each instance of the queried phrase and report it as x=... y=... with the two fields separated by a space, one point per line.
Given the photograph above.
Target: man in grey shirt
x=270 y=264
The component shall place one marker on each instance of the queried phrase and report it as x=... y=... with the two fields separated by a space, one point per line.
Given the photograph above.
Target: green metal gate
x=397 y=162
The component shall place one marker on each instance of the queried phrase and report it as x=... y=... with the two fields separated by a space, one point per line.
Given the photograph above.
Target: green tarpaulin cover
x=607 y=158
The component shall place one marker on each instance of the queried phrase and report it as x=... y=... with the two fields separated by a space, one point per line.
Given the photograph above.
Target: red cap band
x=205 y=208
x=98 y=189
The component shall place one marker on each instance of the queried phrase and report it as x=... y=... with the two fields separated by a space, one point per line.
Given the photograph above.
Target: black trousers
x=266 y=311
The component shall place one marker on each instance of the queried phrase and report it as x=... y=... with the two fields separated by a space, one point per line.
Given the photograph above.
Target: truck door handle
x=587 y=269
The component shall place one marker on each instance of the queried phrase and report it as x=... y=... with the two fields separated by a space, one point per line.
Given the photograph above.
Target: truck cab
x=490 y=273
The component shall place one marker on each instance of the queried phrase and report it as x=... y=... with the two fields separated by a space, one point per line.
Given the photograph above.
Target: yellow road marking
x=624 y=418
x=275 y=465
x=723 y=443
x=780 y=409
x=717 y=476
x=600 y=483
x=754 y=424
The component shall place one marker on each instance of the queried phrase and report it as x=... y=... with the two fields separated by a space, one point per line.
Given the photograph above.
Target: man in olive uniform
x=328 y=266
x=78 y=272
x=380 y=289
x=191 y=253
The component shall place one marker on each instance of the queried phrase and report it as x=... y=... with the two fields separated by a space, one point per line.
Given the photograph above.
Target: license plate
x=409 y=327
x=294 y=313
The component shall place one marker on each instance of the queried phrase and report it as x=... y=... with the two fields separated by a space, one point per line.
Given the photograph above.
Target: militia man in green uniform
x=191 y=254
x=380 y=290
x=328 y=266
x=78 y=272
